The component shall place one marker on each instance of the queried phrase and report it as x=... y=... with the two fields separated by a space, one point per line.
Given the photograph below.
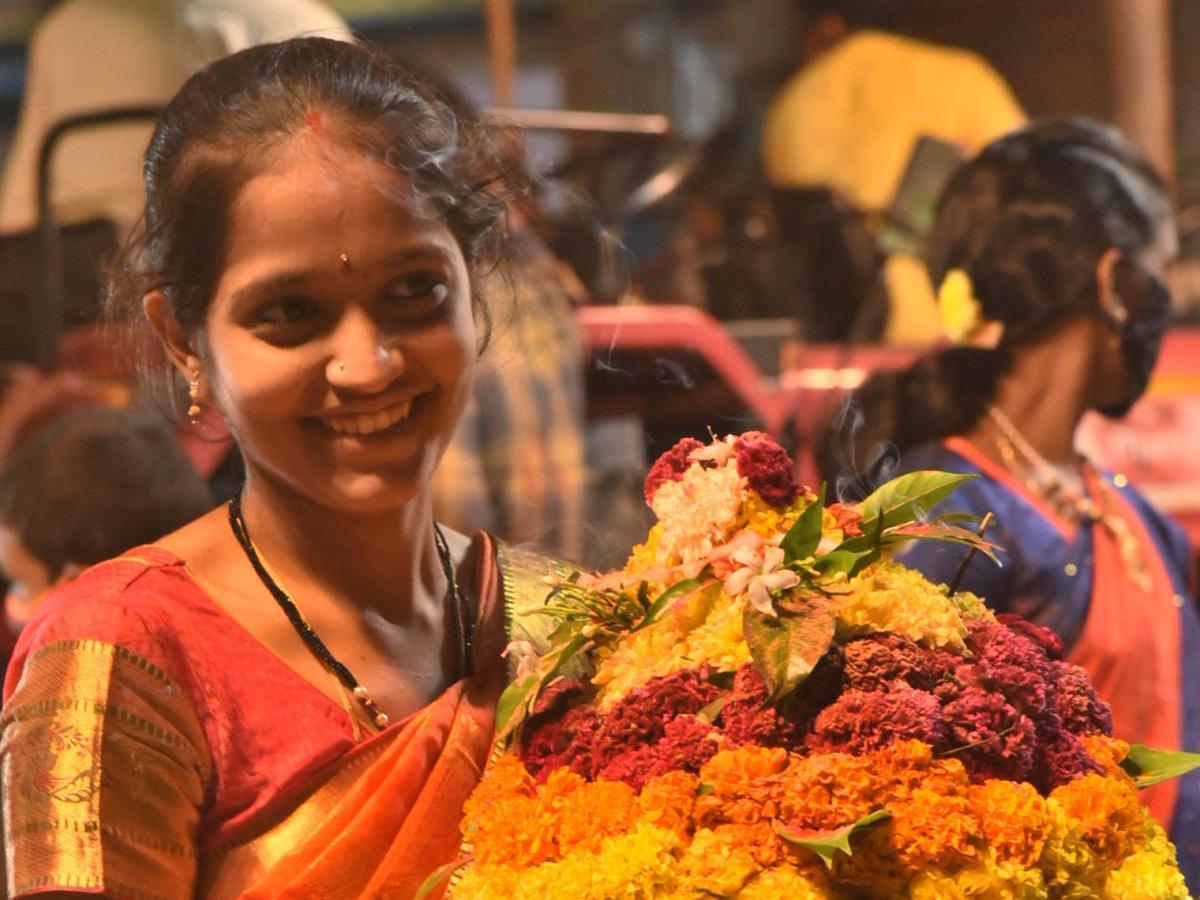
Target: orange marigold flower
x=903 y=766
x=584 y=813
x=1106 y=750
x=926 y=829
x=729 y=769
x=1107 y=811
x=667 y=801
x=828 y=790
x=1012 y=816
x=506 y=794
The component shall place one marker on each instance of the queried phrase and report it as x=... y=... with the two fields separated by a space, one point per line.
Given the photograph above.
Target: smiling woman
x=293 y=695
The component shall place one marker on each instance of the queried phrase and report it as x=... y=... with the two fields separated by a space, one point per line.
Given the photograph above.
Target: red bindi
x=315 y=119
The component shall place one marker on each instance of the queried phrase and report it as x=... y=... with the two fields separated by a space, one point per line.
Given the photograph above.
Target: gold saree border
x=102 y=765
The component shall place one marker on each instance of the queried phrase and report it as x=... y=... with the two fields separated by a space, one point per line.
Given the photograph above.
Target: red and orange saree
x=153 y=750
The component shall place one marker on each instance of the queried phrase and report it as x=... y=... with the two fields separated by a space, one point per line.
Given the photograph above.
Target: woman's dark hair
x=217 y=132
x=95 y=483
x=855 y=13
x=1027 y=220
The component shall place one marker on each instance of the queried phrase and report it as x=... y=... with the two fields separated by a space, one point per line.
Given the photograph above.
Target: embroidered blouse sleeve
x=103 y=765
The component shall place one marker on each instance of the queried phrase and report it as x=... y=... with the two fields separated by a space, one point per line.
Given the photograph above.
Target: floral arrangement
x=773 y=708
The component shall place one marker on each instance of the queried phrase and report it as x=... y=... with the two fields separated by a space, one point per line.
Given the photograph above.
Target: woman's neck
x=1044 y=397
x=384 y=562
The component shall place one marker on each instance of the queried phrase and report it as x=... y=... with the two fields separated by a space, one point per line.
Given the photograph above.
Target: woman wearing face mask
x=292 y=695
x=1050 y=247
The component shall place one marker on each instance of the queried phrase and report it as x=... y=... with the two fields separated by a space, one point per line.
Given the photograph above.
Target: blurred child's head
x=87 y=488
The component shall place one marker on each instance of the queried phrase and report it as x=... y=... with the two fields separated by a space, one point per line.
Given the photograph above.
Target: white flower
x=527 y=658
x=718 y=451
x=759 y=575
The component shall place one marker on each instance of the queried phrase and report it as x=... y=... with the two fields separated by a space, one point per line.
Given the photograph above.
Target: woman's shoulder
x=141 y=601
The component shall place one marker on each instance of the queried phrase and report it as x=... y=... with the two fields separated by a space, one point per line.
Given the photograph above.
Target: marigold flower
x=889 y=597
x=983 y=879
x=1108 y=751
x=666 y=801
x=772 y=884
x=770 y=522
x=1150 y=873
x=1012 y=816
x=1106 y=812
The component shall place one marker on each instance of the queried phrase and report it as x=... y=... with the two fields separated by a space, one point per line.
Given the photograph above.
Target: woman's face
x=339 y=344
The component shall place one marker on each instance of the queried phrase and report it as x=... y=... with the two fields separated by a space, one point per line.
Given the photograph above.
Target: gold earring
x=194 y=395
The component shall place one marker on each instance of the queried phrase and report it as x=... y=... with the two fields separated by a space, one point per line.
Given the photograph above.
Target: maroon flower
x=687 y=743
x=1039 y=634
x=671 y=465
x=876 y=662
x=747 y=717
x=645 y=718
x=766 y=467
x=862 y=721
x=550 y=743
x=1061 y=758
x=989 y=736
x=1080 y=707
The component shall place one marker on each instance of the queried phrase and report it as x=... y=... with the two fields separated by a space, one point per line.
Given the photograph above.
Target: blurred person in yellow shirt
x=851 y=117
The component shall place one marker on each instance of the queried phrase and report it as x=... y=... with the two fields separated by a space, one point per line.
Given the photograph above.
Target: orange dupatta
x=1131 y=643
x=389 y=815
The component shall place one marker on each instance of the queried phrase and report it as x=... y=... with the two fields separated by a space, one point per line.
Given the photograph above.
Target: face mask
x=1141 y=338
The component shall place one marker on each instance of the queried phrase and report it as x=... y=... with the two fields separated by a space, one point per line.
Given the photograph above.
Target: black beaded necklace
x=463 y=621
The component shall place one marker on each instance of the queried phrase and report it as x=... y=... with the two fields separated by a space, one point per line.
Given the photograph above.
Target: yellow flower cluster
x=705 y=628
x=717 y=834
x=887 y=596
x=768 y=522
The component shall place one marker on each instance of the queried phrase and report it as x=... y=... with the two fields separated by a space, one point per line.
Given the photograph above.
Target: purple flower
x=1010 y=662
x=1050 y=642
x=861 y=721
x=1079 y=706
x=989 y=736
x=1061 y=758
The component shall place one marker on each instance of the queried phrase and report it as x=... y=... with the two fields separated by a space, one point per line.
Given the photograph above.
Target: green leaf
x=853 y=554
x=908 y=497
x=709 y=713
x=439 y=876
x=805 y=534
x=826 y=843
x=665 y=599
x=515 y=695
x=517 y=701
x=704 y=789
x=1149 y=766
x=942 y=531
x=787 y=647
x=847 y=559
